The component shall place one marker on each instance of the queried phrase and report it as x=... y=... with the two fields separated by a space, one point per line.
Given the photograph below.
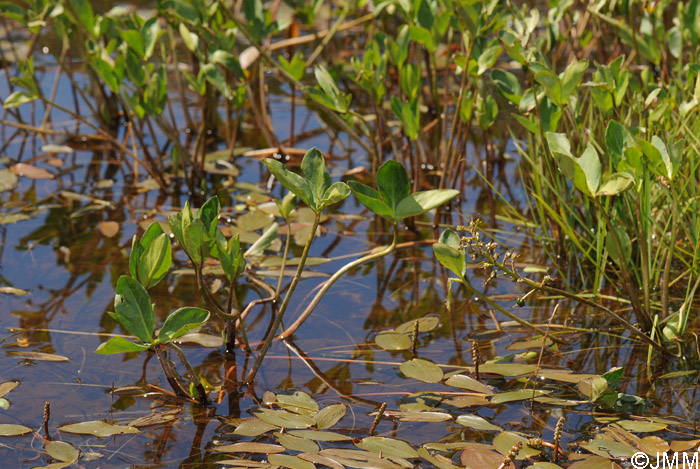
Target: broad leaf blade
x=155 y=261
x=372 y=200
x=292 y=181
x=313 y=167
x=181 y=321
x=120 y=345
x=421 y=202
x=393 y=184
x=132 y=308
x=334 y=194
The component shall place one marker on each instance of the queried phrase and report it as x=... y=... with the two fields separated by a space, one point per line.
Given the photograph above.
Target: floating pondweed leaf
x=108 y=229
x=420 y=401
x=8 y=180
x=317 y=435
x=594 y=462
x=8 y=429
x=30 y=171
x=254 y=427
x=477 y=423
x=437 y=460
x=387 y=447
x=297 y=443
x=563 y=376
x=528 y=344
x=680 y=446
x=298 y=402
x=329 y=416
x=40 y=356
x=422 y=370
x=391 y=340
x=291 y=462
x=417 y=416
x=609 y=449
x=476 y=457
x=98 y=428
x=360 y=459
x=322 y=460
x=155 y=419
x=244 y=463
x=507 y=369
x=284 y=419
x=62 y=451
x=639 y=426
x=4 y=403
x=653 y=445
x=250 y=447
x=146 y=185
x=425 y=324
x=504 y=441
x=13 y=291
x=544 y=465
x=467 y=382
x=464 y=401
x=557 y=401
x=521 y=395
x=676 y=374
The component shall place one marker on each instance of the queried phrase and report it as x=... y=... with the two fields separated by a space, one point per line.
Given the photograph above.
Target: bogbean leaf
x=155 y=260
x=120 y=345
x=132 y=308
x=180 y=322
x=448 y=254
x=393 y=199
x=313 y=187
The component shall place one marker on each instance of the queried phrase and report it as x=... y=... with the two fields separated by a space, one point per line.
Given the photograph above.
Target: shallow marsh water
x=68 y=266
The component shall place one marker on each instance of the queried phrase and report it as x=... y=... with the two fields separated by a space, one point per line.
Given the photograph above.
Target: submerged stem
x=329 y=283
x=285 y=302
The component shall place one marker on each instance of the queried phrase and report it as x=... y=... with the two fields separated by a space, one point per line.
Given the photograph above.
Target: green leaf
x=18 y=98
x=134 y=39
x=552 y=86
x=313 y=167
x=9 y=429
x=180 y=322
x=614 y=184
x=294 y=67
x=477 y=423
x=392 y=340
x=84 y=13
x=393 y=184
x=618 y=140
x=488 y=58
x=62 y=451
x=371 y=199
x=422 y=370
x=209 y=212
x=422 y=36
x=571 y=78
x=150 y=32
x=190 y=39
x=98 y=428
x=335 y=193
x=508 y=85
x=120 y=345
x=133 y=309
x=388 y=447
x=338 y=101
x=292 y=181
x=229 y=61
x=584 y=172
x=447 y=253
x=264 y=242
x=154 y=262
x=286 y=205
x=422 y=202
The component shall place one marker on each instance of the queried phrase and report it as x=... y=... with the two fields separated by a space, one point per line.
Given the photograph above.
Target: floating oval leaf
x=329 y=416
x=284 y=419
x=504 y=441
x=390 y=340
x=483 y=458
x=292 y=462
x=317 y=435
x=425 y=324
x=422 y=370
x=250 y=447
x=8 y=429
x=420 y=401
x=297 y=443
x=477 y=423
x=641 y=426
x=62 y=451
x=469 y=383
x=517 y=395
x=98 y=428
x=388 y=447
x=254 y=427
x=298 y=402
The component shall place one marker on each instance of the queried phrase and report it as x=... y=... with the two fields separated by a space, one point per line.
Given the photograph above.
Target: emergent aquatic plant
x=150 y=261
